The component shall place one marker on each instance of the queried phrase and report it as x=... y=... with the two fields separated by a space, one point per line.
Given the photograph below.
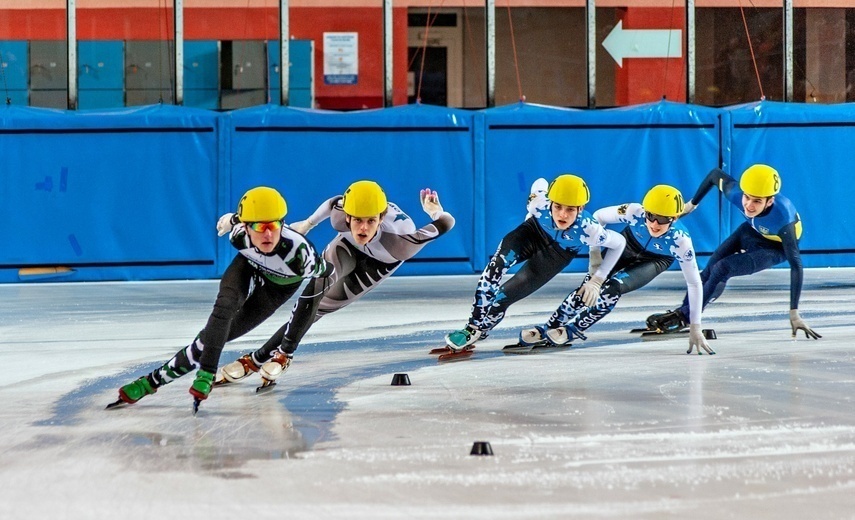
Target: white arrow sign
x=643 y=43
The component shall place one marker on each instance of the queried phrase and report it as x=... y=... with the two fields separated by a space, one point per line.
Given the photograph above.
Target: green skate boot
x=202 y=384
x=201 y=387
x=133 y=392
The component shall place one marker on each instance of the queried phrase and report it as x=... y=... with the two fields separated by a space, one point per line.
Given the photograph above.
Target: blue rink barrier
x=135 y=193
x=124 y=194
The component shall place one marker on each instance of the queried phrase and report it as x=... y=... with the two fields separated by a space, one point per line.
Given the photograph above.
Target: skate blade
x=658 y=334
x=517 y=348
x=645 y=329
x=537 y=348
x=263 y=389
x=456 y=356
x=223 y=382
x=117 y=404
x=440 y=350
x=196 y=402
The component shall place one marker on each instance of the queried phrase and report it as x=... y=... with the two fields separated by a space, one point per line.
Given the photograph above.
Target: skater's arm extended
x=696 y=293
x=322 y=213
x=715 y=178
x=623 y=213
x=615 y=244
x=787 y=234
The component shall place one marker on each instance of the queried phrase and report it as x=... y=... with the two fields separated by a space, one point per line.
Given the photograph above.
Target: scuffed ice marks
x=760 y=459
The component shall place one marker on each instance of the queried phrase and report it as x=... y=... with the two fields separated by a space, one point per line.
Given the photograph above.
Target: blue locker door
x=300 y=73
x=100 y=74
x=202 y=74
x=15 y=59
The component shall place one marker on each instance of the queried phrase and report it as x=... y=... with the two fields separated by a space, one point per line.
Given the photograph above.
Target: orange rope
x=514 y=45
x=422 y=66
x=751 y=48
x=163 y=27
x=428 y=24
x=668 y=56
x=236 y=85
x=472 y=46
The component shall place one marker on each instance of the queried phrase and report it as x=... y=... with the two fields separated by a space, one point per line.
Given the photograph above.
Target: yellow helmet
x=569 y=190
x=663 y=200
x=261 y=204
x=364 y=199
x=760 y=180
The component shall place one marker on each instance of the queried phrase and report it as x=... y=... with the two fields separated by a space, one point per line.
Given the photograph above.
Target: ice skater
x=271 y=263
x=770 y=236
x=556 y=229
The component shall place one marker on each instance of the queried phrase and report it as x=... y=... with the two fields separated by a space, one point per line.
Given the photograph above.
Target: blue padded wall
x=134 y=193
x=124 y=194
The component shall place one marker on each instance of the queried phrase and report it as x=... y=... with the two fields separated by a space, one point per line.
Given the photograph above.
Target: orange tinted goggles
x=261 y=227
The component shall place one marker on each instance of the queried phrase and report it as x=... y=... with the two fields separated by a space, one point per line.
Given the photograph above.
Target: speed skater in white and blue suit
x=556 y=228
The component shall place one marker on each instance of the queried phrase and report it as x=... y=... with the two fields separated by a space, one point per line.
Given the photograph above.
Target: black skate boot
x=667 y=322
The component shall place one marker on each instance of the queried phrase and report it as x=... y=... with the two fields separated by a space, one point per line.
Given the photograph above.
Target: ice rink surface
x=614 y=427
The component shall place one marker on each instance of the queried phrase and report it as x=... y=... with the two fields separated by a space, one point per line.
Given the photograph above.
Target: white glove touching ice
x=797 y=323
x=224 y=225
x=430 y=203
x=303 y=226
x=590 y=291
x=697 y=340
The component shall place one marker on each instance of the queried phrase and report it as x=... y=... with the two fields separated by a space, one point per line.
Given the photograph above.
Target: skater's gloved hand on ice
x=225 y=224
x=590 y=291
x=697 y=340
x=303 y=226
x=430 y=203
x=595 y=259
x=688 y=208
x=797 y=323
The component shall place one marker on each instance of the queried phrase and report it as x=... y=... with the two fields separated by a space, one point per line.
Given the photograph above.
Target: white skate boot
x=237 y=370
x=274 y=368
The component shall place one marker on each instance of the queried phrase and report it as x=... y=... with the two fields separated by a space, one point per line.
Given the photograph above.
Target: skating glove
x=225 y=224
x=595 y=259
x=590 y=291
x=688 y=208
x=430 y=203
x=537 y=197
x=797 y=323
x=303 y=227
x=697 y=340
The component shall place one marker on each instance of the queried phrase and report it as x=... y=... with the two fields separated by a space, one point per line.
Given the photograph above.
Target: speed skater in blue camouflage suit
x=654 y=239
x=770 y=236
x=555 y=230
